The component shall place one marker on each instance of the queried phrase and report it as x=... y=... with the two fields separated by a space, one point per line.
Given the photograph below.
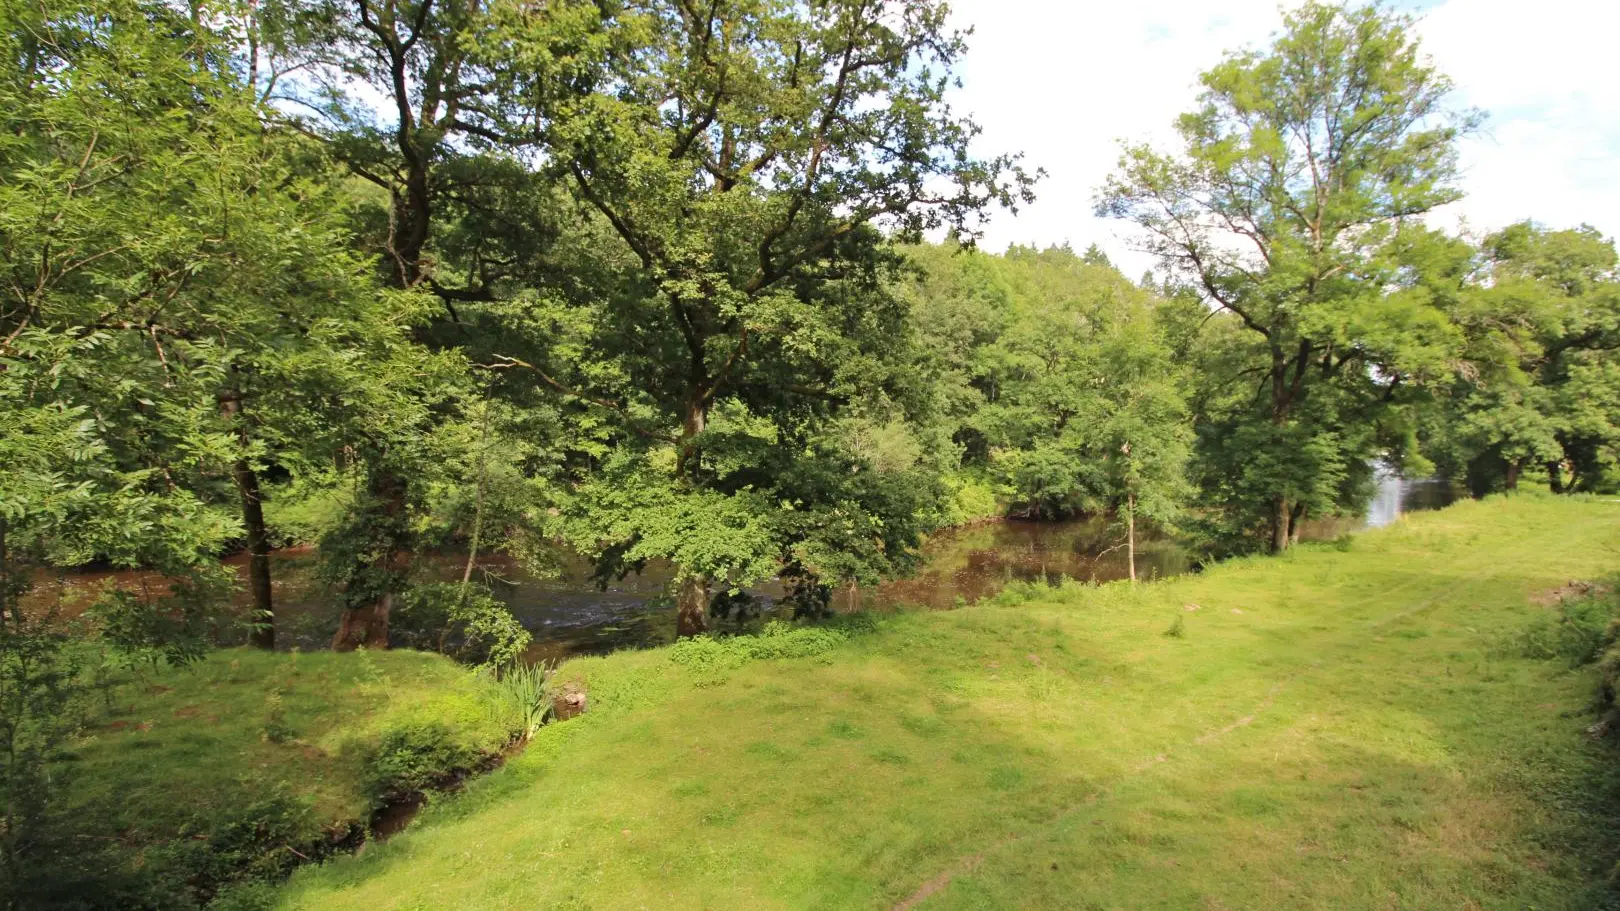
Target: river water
x=568 y=615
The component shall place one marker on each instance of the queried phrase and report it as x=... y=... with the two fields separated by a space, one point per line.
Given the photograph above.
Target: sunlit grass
x=1328 y=730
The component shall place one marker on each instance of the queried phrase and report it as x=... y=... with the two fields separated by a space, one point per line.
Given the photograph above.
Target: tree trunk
x=478 y=507
x=1295 y=523
x=1130 y=534
x=258 y=547
x=1555 y=476
x=692 y=593
x=1512 y=479
x=258 y=535
x=692 y=425
x=1281 y=522
x=366 y=624
x=692 y=607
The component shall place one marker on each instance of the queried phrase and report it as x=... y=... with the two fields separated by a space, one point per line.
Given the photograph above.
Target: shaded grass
x=173 y=755
x=1331 y=729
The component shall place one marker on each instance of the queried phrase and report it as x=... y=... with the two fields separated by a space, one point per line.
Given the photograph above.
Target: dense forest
x=696 y=283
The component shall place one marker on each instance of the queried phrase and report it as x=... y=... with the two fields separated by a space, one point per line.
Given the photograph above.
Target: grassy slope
x=186 y=747
x=1332 y=730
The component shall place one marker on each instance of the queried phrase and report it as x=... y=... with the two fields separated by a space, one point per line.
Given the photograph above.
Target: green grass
x=1330 y=730
x=173 y=755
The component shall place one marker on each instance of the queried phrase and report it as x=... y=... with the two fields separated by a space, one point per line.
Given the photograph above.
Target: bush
x=470 y=625
x=176 y=628
x=261 y=841
x=972 y=499
x=1178 y=628
x=413 y=758
x=711 y=660
x=1577 y=631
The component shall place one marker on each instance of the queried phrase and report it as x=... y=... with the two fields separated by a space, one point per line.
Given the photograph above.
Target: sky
x=1064 y=81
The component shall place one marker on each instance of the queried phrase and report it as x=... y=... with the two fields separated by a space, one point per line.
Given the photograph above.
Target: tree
x=1542 y=319
x=1292 y=205
x=197 y=267
x=752 y=160
x=1060 y=373
x=406 y=95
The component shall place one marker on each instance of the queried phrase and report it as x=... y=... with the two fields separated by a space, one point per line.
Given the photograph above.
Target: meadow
x=1350 y=725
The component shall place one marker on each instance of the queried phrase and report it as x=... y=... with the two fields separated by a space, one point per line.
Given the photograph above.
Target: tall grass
x=524 y=692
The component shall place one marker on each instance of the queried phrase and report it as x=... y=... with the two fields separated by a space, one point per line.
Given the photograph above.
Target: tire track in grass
x=967 y=864
x=939 y=882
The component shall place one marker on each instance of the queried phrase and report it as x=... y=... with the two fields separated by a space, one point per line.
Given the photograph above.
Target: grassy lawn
x=1333 y=729
x=249 y=760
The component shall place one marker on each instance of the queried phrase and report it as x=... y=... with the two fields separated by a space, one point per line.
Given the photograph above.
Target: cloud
x=1064 y=82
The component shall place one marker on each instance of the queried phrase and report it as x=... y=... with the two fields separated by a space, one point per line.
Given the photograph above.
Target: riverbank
x=568 y=614
x=1331 y=729
x=246 y=764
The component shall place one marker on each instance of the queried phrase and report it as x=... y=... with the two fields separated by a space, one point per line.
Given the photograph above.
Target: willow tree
x=1292 y=204
x=750 y=162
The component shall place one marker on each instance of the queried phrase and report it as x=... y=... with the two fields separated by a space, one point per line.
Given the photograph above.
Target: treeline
x=650 y=280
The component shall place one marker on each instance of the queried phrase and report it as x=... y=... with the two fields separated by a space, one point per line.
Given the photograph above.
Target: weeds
x=1178 y=628
x=1576 y=631
x=524 y=692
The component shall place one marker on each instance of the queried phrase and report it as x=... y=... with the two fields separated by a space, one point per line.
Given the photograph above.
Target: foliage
x=729 y=313
x=1290 y=206
x=1538 y=388
x=176 y=628
x=526 y=692
x=39 y=705
x=411 y=758
x=466 y=622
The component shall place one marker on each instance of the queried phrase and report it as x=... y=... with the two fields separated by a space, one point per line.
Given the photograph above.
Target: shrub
x=710 y=660
x=412 y=758
x=1576 y=632
x=971 y=499
x=259 y=841
x=469 y=624
x=175 y=628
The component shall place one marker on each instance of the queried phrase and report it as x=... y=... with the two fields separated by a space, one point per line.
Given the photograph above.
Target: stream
x=569 y=615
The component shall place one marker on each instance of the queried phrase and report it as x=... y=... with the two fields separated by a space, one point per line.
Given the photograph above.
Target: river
x=568 y=615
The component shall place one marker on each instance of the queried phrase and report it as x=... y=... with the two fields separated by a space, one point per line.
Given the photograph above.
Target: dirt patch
x=927 y=890
x=1570 y=590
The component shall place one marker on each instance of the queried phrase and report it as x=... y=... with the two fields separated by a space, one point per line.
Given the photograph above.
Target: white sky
x=1064 y=80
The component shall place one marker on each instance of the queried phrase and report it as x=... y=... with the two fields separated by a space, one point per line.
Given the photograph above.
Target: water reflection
x=569 y=615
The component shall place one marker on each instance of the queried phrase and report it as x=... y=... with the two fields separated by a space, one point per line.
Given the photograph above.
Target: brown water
x=569 y=615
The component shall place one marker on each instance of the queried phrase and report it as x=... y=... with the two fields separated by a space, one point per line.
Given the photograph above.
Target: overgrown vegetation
x=171 y=786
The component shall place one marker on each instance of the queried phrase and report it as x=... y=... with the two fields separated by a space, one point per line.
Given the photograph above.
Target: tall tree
x=751 y=159
x=1288 y=205
x=403 y=93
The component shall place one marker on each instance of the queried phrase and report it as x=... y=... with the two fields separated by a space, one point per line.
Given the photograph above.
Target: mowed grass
x=175 y=753
x=1329 y=730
